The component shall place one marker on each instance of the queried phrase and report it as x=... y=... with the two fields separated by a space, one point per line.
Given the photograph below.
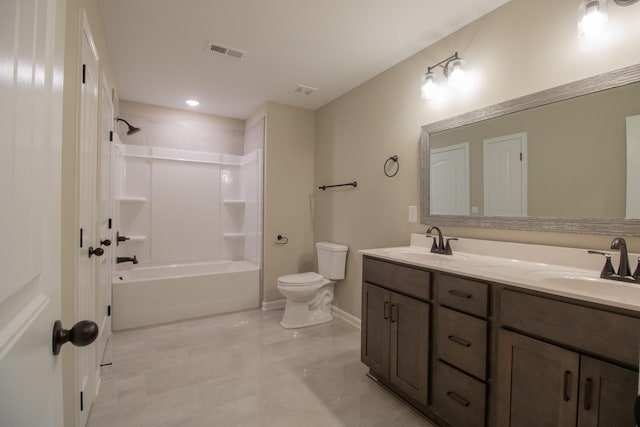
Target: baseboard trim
x=347 y=317
x=274 y=305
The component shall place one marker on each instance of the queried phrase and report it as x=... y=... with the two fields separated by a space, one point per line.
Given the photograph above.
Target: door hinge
x=110 y=223
x=81 y=237
x=109 y=310
x=110 y=136
x=520 y=156
x=84 y=73
x=81 y=401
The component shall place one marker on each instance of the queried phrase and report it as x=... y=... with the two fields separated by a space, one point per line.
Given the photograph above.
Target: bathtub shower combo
x=193 y=221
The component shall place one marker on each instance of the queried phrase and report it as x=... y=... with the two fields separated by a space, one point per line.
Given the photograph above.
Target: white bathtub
x=151 y=295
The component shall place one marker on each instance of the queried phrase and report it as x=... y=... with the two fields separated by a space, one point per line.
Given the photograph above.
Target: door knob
x=83 y=333
x=105 y=242
x=96 y=251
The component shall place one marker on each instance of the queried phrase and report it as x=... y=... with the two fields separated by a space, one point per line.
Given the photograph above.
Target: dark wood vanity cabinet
x=395 y=327
x=541 y=383
x=469 y=353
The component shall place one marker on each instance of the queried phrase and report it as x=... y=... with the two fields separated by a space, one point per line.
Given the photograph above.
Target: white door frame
x=87 y=367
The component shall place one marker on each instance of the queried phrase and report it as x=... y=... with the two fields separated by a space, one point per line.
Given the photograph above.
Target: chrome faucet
x=439 y=246
x=122 y=259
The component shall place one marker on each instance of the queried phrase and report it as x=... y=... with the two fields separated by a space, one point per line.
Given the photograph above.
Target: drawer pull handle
x=394 y=319
x=460 y=294
x=460 y=341
x=567 y=384
x=458 y=399
x=386 y=310
x=588 y=394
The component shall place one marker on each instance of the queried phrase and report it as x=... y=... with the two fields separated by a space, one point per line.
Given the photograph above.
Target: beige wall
x=520 y=48
x=70 y=237
x=288 y=191
x=181 y=129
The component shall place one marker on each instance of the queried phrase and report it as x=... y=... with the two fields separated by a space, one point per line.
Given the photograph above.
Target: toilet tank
x=332 y=259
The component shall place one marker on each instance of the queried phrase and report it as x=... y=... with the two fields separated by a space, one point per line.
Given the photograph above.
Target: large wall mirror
x=565 y=160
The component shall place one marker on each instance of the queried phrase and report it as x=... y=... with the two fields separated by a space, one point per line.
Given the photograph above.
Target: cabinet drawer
x=407 y=280
x=457 y=397
x=465 y=295
x=462 y=341
x=604 y=333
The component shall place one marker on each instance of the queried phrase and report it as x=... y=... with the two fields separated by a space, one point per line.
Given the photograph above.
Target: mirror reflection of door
x=505 y=175
x=633 y=167
x=449 y=180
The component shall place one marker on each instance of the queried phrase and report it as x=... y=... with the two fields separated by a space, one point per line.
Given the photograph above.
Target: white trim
x=274 y=305
x=347 y=317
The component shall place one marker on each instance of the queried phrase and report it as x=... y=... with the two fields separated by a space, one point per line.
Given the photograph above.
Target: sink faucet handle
x=636 y=273
x=447 y=248
x=607 y=270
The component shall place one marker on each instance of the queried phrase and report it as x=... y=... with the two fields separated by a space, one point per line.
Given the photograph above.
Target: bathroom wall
x=288 y=193
x=520 y=48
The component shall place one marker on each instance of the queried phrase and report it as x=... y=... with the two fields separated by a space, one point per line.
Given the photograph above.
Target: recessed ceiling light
x=192 y=102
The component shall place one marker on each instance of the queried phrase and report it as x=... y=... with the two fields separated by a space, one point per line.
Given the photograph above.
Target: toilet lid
x=309 y=278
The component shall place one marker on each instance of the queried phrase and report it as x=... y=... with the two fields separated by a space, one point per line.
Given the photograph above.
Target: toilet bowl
x=309 y=295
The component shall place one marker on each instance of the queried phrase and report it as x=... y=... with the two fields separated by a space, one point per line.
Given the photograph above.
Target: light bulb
x=593 y=19
x=456 y=75
x=429 y=88
x=192 y=102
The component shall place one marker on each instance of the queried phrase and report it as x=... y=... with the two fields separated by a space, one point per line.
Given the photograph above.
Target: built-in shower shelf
x=231 y=202
x=132 y=199
x=233 y=235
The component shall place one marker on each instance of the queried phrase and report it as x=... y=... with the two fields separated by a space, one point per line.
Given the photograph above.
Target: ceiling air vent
x=304 y=90
x=226 y=51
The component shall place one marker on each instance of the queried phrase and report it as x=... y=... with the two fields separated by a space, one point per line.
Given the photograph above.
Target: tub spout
x=122 y=259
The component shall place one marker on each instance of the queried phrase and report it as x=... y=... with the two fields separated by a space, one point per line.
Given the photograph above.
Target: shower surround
x=194 y=221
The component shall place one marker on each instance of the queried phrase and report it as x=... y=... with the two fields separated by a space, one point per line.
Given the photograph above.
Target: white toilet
x=309 y=295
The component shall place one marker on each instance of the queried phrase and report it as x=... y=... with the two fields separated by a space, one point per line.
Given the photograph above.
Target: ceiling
x=159 y=53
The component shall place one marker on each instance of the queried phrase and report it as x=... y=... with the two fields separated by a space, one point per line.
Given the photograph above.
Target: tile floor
x=242 y=369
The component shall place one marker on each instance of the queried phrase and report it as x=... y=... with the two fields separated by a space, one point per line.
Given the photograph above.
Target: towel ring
x=393 y=158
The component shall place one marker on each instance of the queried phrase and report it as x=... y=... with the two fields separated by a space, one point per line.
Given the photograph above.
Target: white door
x=505 y=175
x=449 y=180
x=105 y=221
x=88 y=369
x=31 y=75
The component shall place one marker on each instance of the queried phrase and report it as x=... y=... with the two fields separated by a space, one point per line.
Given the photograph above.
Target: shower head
x=132 y=129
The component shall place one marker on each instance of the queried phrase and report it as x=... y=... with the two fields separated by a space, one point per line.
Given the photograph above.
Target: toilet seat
x=301 y=279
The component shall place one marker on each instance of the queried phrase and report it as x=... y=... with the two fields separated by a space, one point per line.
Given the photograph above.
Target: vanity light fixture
x=593 y=17
x=452 y=68
x=192 y=102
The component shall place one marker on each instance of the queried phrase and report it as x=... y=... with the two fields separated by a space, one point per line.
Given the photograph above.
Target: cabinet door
x=410 y=346
x=376 y=309
x=537 y=383
x=607 y=394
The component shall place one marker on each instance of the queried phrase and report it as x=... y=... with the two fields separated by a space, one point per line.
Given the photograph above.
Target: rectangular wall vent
x=226 y=51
